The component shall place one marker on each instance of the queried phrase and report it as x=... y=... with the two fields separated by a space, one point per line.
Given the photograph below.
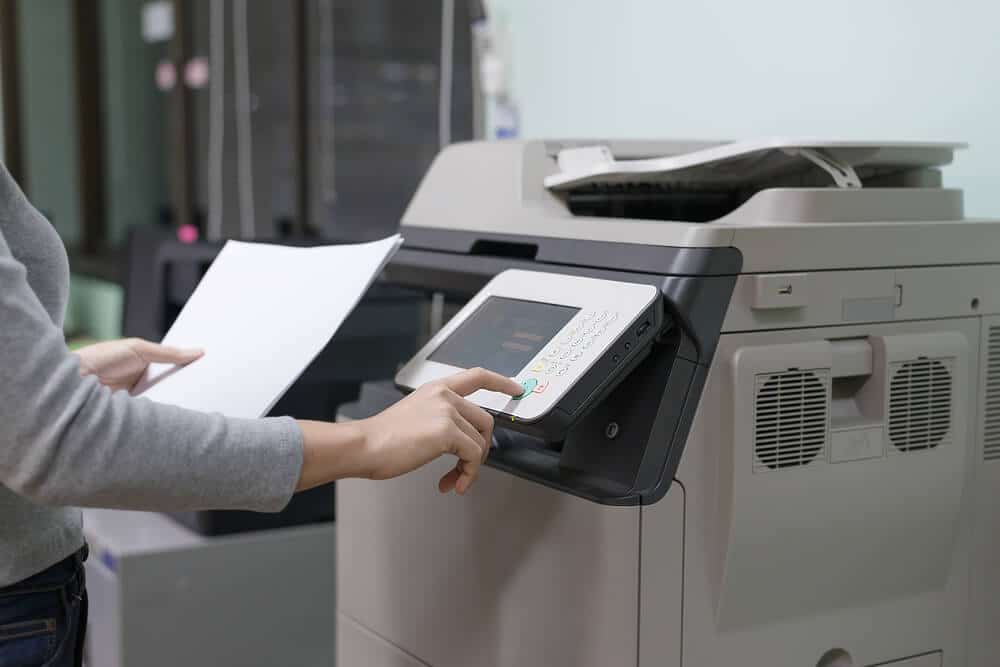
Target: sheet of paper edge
x=378 y=271
x=375 y=274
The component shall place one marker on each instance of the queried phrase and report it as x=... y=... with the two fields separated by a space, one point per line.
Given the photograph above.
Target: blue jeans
x=44 y=617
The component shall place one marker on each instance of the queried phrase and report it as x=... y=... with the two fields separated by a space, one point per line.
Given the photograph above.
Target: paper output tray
x=746 y=162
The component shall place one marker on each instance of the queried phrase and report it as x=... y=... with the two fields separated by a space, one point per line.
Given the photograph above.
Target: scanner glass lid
x=503 y=335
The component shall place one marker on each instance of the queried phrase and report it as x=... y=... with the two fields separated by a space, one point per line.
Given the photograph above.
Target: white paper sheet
x=262 y=313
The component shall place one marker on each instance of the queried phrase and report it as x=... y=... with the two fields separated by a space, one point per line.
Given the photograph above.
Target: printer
x=760 y=422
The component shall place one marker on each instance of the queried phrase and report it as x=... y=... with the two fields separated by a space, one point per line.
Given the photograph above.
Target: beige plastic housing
x=860 y=512
x=865 y=542
x=881 y=555
x=984 y=589
x=498 y=188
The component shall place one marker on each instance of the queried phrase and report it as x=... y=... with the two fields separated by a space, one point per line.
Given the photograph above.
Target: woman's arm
x=432 y=421
x=423 y=426
x=67 y=440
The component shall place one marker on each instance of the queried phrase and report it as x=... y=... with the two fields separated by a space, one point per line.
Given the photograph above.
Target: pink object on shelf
x=187 y=234
x=166 y=76
x=196 y=73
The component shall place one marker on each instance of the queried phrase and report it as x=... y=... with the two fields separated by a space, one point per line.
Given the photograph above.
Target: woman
x=70 y=436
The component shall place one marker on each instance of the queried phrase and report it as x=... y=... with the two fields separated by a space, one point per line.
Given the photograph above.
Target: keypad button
x=562 y=371
x=575 y=356
x=587 y=342
x=576 y=342
x=529 y=386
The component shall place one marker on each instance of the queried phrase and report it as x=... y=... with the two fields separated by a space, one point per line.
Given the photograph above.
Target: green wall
x=48 y=118
x=135 y=181
x=95 y=309
x=132 y=110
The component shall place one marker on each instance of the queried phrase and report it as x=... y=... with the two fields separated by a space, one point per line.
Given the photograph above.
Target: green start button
x=529 y=386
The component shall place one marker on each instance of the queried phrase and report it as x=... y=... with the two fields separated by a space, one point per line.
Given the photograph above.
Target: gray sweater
x=66 y=441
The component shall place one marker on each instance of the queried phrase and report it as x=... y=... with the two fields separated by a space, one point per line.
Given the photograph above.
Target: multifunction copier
x=760 y=422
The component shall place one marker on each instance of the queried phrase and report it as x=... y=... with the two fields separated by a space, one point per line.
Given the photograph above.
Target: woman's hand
x=119 y=364
x=436 y=420
x=432 y=421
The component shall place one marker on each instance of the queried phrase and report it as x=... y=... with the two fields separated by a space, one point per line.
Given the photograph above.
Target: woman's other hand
x=432 y=421
x=119 y=364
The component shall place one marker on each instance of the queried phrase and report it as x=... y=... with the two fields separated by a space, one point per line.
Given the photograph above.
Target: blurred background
x=264 y=119
x=281 y=119
x=149 y=131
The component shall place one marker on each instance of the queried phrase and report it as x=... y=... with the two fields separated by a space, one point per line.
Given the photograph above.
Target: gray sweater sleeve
x=67 y=440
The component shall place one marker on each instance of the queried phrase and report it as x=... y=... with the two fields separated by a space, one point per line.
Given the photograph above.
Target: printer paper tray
x=741 y=163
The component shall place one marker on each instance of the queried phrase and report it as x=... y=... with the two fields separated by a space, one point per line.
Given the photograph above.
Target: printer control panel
x=565 y=338
x=561 y=356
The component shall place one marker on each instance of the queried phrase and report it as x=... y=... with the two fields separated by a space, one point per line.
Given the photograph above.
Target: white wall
x=864 y=69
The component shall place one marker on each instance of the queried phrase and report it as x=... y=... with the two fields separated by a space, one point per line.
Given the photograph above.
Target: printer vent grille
x=991 y=404
x=791 y=419
x=920 y=404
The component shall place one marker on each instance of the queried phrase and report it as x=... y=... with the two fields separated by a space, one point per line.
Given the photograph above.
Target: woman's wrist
x=332 y=451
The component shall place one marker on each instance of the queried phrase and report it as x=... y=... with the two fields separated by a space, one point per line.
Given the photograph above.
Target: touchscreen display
x=503 y=335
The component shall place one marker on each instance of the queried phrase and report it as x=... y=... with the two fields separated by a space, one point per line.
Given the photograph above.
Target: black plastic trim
x=698 y=303
x=625 y=445
x=644 y=258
